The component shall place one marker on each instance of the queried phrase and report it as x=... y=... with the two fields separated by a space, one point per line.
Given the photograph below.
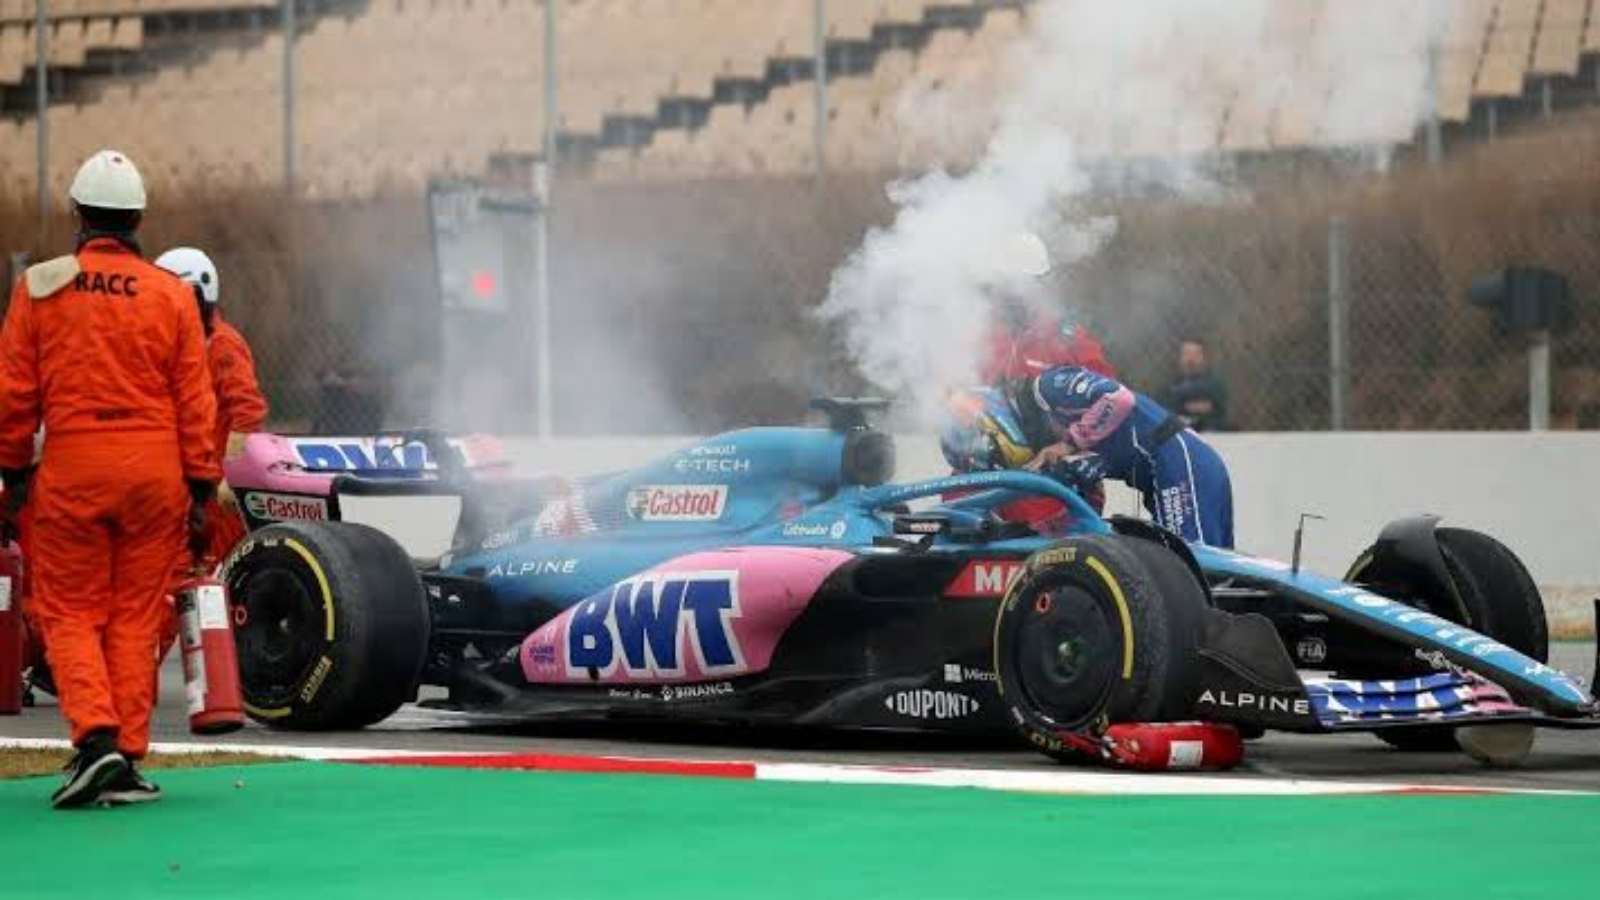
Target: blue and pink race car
x=775 y=576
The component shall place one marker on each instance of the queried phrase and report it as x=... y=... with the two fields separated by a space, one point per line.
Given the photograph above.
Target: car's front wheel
x=1098 y=629
x=331 y=624
x=1490 y=591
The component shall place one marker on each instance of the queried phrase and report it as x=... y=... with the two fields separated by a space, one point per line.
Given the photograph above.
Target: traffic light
x=1531 y=301
x=470 y=238
x=1524 y=298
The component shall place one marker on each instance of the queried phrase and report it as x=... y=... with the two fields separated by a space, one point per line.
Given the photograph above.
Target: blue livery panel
x=1440 y=697
x=1423 y=629
x=786 y=486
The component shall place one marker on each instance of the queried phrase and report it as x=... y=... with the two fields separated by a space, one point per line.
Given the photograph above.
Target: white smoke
x=1094 y=94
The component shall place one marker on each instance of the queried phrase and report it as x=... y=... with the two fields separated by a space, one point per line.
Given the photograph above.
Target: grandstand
x=392 y=91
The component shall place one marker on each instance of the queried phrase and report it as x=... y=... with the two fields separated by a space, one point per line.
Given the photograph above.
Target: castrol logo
x=678 y=502
x=286 y=507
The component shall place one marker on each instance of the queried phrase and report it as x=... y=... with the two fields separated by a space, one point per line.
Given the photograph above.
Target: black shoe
x=41 y=678
x=129 y=788
x=96 y=764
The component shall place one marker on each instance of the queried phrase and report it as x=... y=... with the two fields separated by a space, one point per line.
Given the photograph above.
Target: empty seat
x=1509 y=48
x=391 y=90
x=1001 y=25
x=850 y=21
x=13 y=55
x=1560 y=38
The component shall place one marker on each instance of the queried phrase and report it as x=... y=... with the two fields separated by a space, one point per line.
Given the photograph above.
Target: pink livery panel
x=700 y=617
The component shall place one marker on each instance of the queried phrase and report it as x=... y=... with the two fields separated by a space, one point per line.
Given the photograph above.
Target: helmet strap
x=208 y=311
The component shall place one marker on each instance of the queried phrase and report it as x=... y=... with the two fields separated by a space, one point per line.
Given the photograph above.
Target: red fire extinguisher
x=210 y=662
x=1166 y=746
x=1160 y=746
x=10 y=629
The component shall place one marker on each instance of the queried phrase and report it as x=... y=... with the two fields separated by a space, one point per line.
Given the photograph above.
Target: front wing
x=1473 y=679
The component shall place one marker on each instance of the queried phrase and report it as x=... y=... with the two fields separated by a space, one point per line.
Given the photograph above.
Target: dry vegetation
x=20 y=763
x=686 y=306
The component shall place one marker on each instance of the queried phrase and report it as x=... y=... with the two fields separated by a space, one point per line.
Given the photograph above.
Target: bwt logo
x=361 y=454
x=643 y=622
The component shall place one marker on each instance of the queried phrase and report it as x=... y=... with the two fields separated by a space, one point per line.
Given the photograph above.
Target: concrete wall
x=1540 y=494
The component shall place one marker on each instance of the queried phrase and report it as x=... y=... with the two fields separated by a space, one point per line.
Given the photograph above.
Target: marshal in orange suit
x=105 y=351
x=241 y=409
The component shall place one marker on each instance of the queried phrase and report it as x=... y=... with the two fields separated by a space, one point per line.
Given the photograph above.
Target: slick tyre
x=1507 y=606
x=1098 y=629
x=1501 y=601
x=331 y=624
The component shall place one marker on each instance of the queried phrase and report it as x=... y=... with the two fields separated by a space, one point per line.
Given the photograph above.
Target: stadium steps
x=847 y=57
x=1549 y=77
x=1525 y=61
x=96 y=43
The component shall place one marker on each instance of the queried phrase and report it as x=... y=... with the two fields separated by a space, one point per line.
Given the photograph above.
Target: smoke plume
x=1093 y=98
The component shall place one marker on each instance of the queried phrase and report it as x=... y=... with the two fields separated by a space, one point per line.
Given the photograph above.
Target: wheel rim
x=280 y=637
x=1067 y=653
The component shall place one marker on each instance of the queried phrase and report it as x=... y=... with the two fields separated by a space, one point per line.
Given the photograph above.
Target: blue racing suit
x=1183 y=480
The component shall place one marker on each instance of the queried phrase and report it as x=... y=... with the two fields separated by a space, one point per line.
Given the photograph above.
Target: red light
x=484 y=285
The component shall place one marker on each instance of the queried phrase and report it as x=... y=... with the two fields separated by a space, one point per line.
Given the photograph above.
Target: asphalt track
x=1561 y=760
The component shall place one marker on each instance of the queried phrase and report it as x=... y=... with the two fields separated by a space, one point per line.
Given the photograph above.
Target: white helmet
x=1021 y=254
x=108 y=180
x=194 y=267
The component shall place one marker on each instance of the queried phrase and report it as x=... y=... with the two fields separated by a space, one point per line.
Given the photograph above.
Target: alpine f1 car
x=775 y=576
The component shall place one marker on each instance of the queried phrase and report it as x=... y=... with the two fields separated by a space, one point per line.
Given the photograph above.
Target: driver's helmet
x=983 y=432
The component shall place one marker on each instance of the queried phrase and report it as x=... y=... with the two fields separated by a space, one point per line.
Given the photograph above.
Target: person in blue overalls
x=1081 y=425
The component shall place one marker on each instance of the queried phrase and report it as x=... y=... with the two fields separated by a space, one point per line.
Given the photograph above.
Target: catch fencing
x=1332 y=293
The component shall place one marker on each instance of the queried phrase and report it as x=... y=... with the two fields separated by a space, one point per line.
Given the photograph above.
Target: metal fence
x=1346 y=306
x=707 y=323
x=1326 y=302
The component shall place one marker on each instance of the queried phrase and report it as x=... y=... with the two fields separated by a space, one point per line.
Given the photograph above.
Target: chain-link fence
x=686 y=305
x=1398 y=254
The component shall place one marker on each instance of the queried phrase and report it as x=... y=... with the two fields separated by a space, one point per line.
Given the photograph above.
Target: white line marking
x=1057 y=781
x=284 y=750
x=1045 y=779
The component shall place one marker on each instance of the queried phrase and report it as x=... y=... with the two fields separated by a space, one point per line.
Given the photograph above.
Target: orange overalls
x=113 y=363
x=240 y=410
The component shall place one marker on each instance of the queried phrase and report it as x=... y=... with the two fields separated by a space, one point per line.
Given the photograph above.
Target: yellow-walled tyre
x=331 y=624
x=1098 y=629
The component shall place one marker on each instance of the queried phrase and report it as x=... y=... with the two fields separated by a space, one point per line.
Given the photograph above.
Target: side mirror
x=848 y=413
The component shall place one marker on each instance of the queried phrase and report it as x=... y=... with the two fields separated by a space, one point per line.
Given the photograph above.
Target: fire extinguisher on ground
x=210 y=661
x=11 y=630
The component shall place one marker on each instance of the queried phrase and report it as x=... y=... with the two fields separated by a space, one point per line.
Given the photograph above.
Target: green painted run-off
x=309 y=830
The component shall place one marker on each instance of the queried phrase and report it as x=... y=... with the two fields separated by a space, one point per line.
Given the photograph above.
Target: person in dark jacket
x=1198 y=394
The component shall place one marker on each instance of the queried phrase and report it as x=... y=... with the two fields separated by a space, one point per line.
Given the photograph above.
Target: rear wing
x=284 y=478
x=406 y=454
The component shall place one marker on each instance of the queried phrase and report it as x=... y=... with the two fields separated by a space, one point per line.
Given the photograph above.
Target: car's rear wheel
x=1494 y=589
x=1098 y=629
x=331 y=624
